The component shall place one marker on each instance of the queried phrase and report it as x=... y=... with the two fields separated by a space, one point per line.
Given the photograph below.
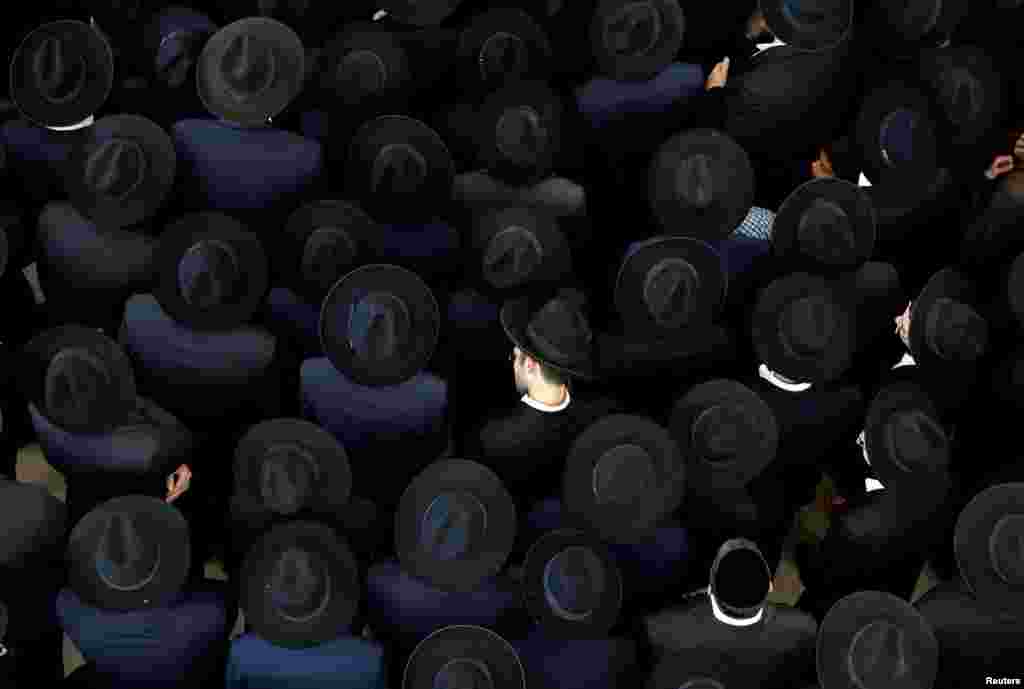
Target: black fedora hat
x=379 y=325
x=250 y=70
x=79 y=379
x=553 y=330
x=122 y=172
x=724 y=428
x=946 y=329
x=366 y=65
x=669 y=284
x=634 y=40
x=623 y=476
x=1006 y=380
x=464 y=656
x=809 y=25
x=212 y=273
x=740 y=578
x=283 y=466
x=323 y=241
x=300 y=585
x=455 y=525
x=500 y=45
x=519 y=248
x=420 y=12
x=520 y=131
x=987 y=542
x=968 y=89
x=896 y=133
x=905 y=441
x=874 y=639
x=174 y=39
x=61 y=73
x=129 y=553
x=572 y=585
x=803 y=328
x=701 y=185
x=826 y=226
x=912 y=20
x=699 y=668
x=399 y=169
x=36 y=523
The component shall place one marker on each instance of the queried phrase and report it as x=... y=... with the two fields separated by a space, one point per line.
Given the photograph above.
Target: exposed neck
x=551 y=395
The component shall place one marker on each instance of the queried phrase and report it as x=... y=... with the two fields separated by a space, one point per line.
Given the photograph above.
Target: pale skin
x=529 y=381
x=178 y=482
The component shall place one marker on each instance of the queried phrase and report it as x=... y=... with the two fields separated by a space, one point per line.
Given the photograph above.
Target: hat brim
x=532 y=94
x=602 y=618
x=849 y=615
x=515 y=318
x=175 y=242
x=290 y=72
x=946 y=283
x=970 y=545
x=162 y=522
x=736 y=188
x=765 y=330
x=629 y=283
x=504 y=20
x=99 y=70
x=367 y=36
x=556 y=264
x=817 y=39
x=462 y=574
x=301 y=224
x=436 y=190
x=889 y=400
x=258 y=567
x=423 y=309
x=333 y=486
x=912 y=179
x=638 y=67
x=851 y=198
x=149 y=196
x=464 y=641
x=39 y=352
x=420 y=13
x=623 y=523
x=710 y=394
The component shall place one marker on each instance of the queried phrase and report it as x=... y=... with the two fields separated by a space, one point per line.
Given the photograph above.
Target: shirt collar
x=761 y=47
x=907 y=360
x=88 y=121
x=540 y=406
x=732 y=621
x=773 y=378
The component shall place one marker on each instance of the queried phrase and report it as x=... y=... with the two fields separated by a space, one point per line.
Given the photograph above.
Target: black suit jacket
x=779 y=649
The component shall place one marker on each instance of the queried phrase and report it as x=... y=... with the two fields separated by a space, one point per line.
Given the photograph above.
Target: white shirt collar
x=761 y=47
x=72 y=127
x=863 y=181
x=540 y=406
x=907 y=360
x=870 y=484
x=732 y=621
x=772 y=378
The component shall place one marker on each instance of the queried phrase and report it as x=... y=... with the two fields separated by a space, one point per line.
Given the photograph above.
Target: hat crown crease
x=633 y=30
x=75 y=383
x=327 y=251
x=453 y=524
x=399 y=169
x=623 y=474
x=520 y=134
x=363 y=70
x=249 y=67
x=299 y=586
x=670 y=291
x=125 y=561
x=574 y=582
x=116 y=168
x=379 y=326
x=209 y=274
x=503 y=54
x=59 y=77
x=1006 y=550
x=878 y=655
x=463 y=673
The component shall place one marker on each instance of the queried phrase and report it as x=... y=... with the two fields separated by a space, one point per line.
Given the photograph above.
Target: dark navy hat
x=633 y=40
x=502 y=45
x=455 y=525
x=174 y=39
x=466 y=657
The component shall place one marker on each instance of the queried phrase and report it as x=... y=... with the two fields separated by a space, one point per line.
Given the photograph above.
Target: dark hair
x=741 y=579
x=548 y=374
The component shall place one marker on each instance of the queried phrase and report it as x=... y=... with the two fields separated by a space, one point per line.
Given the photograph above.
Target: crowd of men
x=501 y=344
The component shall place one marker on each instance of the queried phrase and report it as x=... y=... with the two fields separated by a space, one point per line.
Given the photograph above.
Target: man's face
x=903 y=325
x=519 y=370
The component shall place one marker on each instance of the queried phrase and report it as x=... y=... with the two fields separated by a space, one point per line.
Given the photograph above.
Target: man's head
x=531 y=374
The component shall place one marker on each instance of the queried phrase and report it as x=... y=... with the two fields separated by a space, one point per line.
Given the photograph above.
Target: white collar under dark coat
x=774 y=379
x=540 y=406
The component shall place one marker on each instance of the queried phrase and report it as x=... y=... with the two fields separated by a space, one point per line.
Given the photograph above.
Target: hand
x=178 y=482
x=1018 y=148
x=719 y=75
x=1000 y=166
x=822 y=167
